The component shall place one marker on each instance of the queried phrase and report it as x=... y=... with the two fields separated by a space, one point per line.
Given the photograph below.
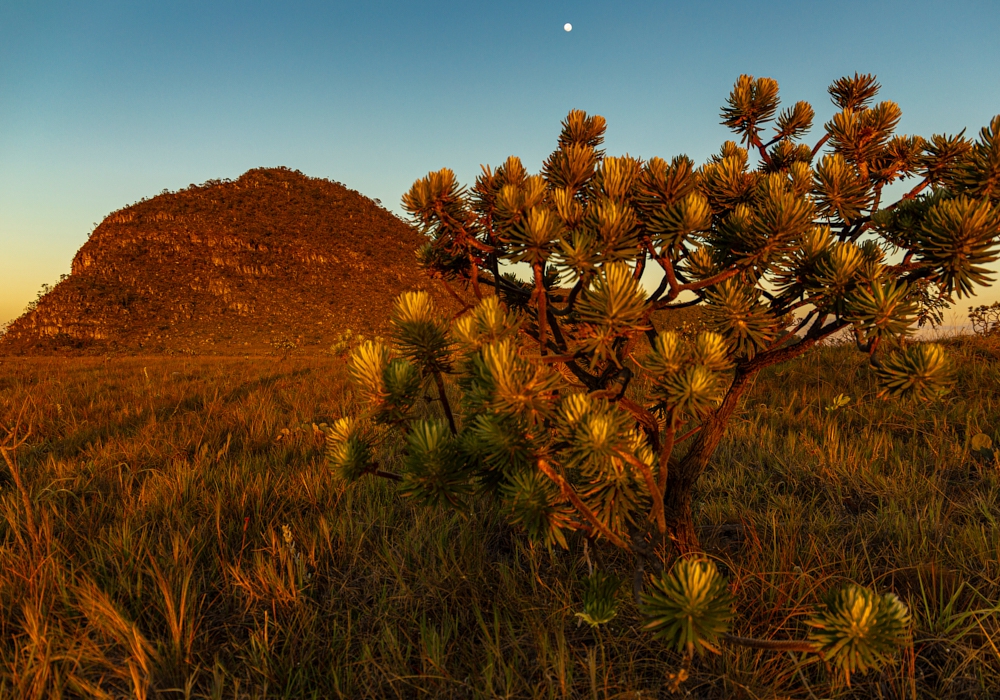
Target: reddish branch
x=654 y=489
x=571 y=495
x=541 y=300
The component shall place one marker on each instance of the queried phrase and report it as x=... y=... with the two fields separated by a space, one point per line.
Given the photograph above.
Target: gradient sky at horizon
x=104 y=103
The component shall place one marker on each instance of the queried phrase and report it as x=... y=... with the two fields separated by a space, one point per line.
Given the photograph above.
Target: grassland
x=178 y=535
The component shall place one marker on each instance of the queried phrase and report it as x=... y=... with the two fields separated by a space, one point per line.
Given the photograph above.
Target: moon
x=568 y=27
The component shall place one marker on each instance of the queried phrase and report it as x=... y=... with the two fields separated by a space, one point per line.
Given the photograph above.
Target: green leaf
x=434 y=472
x=796 y=121
x=921 y=372
x=615 y=302
x=690 y=607
x=882 y=311
x=617 y=176
x=614 y=228
x=579 y=128
x=420 y=332
x=958 y=239
x=532 y=238
x=348 y=449
x=672 y=225
x=751 y=103
x=485 y=323
x=570 y=167
x=600 y=601
x=366 y=366
x=979 y=176
x=857 y=630
x=514 y=384
x=535 y=504
x=839 y=401
x=840 y=191
x=736 y=311
x=854 y=93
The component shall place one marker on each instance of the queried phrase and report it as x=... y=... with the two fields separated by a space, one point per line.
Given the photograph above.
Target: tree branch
x=654 y=490
x=444 y=401
x=567 y=490
x=819 y=144
x=541 y=297
x=771 y=644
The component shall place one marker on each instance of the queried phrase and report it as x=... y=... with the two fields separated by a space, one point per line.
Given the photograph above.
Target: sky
x=104 y=103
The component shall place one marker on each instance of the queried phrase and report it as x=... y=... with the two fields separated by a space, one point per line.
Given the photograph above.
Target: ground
x=179 y=535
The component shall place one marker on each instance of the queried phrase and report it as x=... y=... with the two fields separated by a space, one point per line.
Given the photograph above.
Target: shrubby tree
x=578 y=413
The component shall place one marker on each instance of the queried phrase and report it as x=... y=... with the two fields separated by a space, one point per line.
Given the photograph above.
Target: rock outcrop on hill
x=272 y=258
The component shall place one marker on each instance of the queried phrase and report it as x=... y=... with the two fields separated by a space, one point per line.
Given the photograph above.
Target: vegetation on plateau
x=578 y=414
x=273 y=257
x=176 y=527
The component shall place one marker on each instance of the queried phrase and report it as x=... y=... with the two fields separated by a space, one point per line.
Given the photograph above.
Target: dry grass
x=177 y=535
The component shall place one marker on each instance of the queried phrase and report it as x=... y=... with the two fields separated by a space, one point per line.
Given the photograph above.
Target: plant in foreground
x=779 y=244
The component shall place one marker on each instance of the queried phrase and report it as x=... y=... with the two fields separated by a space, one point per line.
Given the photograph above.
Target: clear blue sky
x=102 y=103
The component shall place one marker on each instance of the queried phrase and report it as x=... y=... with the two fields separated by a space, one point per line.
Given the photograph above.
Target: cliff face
x=273 y=257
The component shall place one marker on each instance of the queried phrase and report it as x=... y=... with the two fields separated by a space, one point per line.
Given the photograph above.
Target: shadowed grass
x=188 y=541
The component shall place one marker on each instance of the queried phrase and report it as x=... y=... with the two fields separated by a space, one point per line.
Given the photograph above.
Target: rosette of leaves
x=387 y=384
x=435 y=472
x=438 y=201
x=856 y=630
x=884 y=310
x=420 y=333
x=958 y=238
x=600 y=599
x=688 y=380
x=486 y=323
x=348 y=449
x=921 y=371
x=738 y=314
x=535 y=504
x=690 y=607
x=613 y=305
x=608 y=460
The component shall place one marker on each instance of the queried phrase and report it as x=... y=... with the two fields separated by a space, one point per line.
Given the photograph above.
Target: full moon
x=568 y=27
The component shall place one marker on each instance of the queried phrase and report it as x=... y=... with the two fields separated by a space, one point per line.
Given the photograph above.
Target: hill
x=274 y=257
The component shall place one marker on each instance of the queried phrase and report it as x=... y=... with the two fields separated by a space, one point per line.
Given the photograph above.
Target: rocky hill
x=274 y=258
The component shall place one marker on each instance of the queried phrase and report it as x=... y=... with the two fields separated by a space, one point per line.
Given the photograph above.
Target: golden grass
x=178 y=535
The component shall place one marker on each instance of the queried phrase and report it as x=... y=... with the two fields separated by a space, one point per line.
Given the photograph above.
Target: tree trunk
x=683 y=475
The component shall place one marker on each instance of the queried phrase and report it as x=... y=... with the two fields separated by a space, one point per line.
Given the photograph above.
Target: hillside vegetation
x=271 y=258
x=177 y=533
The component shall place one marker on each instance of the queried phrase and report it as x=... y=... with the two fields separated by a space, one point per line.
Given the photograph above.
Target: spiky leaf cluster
x=389 y=385
x=920 y=371
x=348 y=449
x=614 y=305
x=883 y=310
x=690 y=607
x=736 y=311
x=856 y=630
x=435 y=471
x=959 y=238
x=688 y=378
x=420 y=333
x=535 y=504
x=600 y=601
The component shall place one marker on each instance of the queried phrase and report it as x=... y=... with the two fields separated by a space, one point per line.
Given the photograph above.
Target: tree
x=779 y=244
